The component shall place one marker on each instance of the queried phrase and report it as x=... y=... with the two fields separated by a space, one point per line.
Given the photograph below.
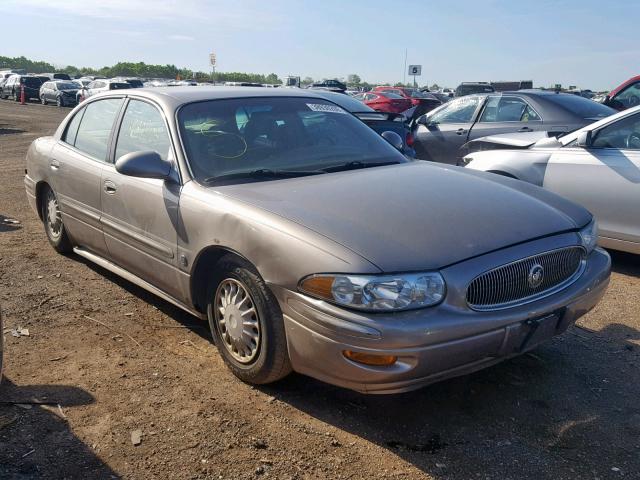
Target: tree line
x=137 y=69
x=168 y=71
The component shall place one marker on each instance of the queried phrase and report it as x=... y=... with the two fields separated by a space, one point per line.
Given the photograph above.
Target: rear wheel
x=59 y=101
x=52 y=219
x=246 y=323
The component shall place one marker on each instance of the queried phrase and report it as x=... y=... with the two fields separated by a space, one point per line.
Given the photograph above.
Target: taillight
x=409 y=140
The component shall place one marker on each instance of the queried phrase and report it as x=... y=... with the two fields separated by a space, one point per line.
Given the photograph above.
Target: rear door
x=447 y=130
x=76 y=164
x=506 y=114
x=605 y=178
x=140 y=215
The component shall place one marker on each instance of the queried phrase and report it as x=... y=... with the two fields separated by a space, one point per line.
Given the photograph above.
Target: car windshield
x=245 y=136
x=580 y=106
x=393 y=96
x=118 y=85
x=413 y=93
x=31 y=81
x=135 y=83
x=67 y=86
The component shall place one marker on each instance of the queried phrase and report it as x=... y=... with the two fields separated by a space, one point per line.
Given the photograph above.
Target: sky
x=586 y=43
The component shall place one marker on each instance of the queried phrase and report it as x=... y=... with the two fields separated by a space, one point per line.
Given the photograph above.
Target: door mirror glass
x=584 y=139
x=145 y=164
x=394 y=139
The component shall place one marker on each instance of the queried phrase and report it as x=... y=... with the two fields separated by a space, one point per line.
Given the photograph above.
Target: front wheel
x=43 y=100
x=59 y=102
x=52 y=219
x=246 y=323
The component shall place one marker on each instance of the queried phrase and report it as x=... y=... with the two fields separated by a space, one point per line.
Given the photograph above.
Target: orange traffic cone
x=22 y=102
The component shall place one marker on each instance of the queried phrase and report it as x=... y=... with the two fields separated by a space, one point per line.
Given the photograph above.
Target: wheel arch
x=40 y=186
x=206 y=259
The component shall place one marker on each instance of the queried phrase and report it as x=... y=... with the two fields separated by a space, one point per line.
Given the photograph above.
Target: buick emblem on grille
x=536 y=275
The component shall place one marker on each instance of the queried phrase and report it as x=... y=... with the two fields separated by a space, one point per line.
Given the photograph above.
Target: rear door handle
x=54 y=164
x=461 y=131
x=526 y=129
x=110 y=187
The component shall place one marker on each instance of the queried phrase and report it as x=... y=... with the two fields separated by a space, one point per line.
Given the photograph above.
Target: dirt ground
x=109 y=359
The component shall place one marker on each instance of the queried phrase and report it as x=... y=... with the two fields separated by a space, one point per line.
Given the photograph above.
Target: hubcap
x=53 y=218
x=237 y=321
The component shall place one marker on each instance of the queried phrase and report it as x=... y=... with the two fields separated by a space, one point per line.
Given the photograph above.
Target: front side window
x=630 y=96
x=95 y=127
x=457 y=111
x=508 y=109
x=72 y=128
x=623 y=134
x=244 y=136
x=143 y=129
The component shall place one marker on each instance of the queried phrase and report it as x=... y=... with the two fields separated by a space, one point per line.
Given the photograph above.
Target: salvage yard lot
x=118 y=361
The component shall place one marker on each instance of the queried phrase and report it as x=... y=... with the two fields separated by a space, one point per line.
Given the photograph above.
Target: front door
x=604 y=178
x=446 y=130
x=140 y=215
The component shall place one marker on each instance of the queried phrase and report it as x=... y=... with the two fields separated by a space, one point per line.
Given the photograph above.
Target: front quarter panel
x=525 y=165
x=282 y=251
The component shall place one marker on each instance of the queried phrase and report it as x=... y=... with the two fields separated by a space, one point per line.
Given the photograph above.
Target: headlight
x=377 y=293
x=589 y=236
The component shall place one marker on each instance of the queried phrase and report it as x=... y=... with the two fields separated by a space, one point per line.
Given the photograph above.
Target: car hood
x=415 y=216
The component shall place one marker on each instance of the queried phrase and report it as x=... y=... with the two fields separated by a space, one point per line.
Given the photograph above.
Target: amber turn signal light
x=318 y=286
x=370 y=358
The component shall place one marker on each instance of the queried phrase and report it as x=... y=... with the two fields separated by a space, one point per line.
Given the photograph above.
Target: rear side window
x=508 y=109
x=580 y=106
x=143 y=129
x=95 y=127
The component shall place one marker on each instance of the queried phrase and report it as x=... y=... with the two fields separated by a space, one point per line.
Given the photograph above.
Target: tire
x=264 y=358
x=52 y=220
x=16 y=96
x=43 y=100
x=59 y=101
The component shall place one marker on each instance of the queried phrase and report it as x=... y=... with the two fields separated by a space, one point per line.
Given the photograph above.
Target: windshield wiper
x=354 y=165
x=264 y=173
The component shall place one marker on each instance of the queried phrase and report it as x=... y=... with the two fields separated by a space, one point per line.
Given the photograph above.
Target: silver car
x=307 y=241
x=597 y=166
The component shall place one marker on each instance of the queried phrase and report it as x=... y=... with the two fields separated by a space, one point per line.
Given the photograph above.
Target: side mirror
x=144 y=165
x=584 y=139
x=423 y=120
x=394 y=139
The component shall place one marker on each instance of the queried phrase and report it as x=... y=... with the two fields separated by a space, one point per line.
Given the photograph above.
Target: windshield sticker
x=322 y=107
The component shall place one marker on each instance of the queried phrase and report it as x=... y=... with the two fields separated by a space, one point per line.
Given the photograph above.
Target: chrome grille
x=510 y=284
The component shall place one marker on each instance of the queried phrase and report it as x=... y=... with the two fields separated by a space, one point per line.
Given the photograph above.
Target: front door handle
x=461 y=131
x=110 y=187
x=54 y=164
x=526 y=129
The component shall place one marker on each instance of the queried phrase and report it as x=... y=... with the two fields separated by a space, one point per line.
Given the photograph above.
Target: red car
x=624 y=96
x=416 y=96
x=385 y=102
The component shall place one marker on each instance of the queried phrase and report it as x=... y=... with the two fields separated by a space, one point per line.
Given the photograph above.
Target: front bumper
x=431 y=344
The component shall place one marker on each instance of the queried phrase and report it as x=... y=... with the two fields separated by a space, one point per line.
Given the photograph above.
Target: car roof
x=173 y=97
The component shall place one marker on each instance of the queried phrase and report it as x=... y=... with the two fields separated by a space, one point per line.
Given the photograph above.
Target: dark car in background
x=470 y=88
x=625 y=95
x=333 y=85
x=440 y=133
x=13 y=86
x=61 y=92
x=56 y=76
x=378 y=121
